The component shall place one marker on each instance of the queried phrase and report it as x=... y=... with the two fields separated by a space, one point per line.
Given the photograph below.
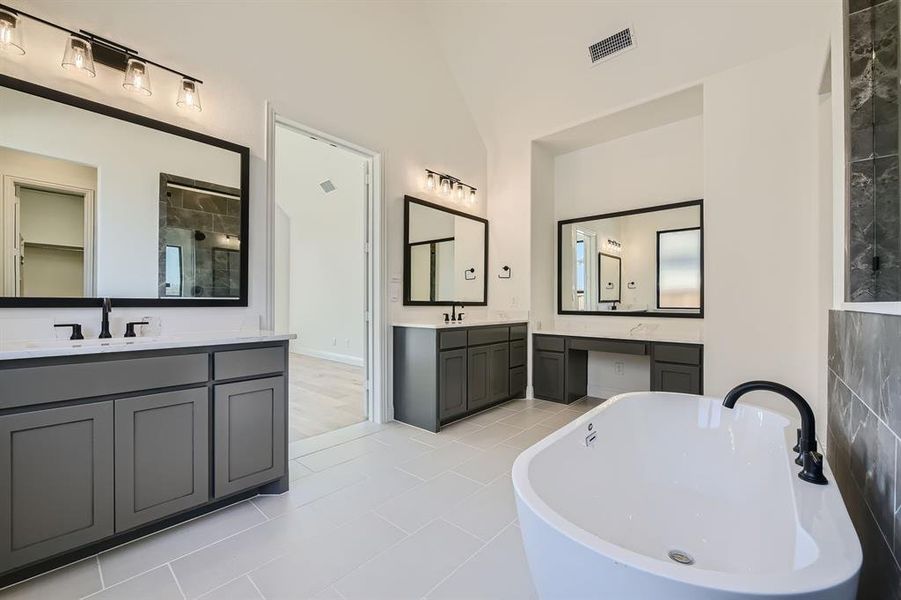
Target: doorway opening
x=322 y=277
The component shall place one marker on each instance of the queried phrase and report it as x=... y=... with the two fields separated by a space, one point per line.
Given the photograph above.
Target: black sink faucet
x=104 y=322
x=811 y=460
x=455 y=315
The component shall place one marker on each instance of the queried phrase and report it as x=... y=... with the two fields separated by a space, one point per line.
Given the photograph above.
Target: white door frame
x=8 y=230
x=376 y=295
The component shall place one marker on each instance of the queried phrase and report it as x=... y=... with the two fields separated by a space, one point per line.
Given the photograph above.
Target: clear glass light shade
x=79 y=56
x=189 y=95
x=430 y=183
x=446 y=187
x=137 y=79
x=472 y=196
x=459 y=192
x=11 y=33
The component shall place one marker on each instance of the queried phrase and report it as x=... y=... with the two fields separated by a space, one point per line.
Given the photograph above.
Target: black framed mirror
x=445 y=256
x=646 y=261
x=99 y=202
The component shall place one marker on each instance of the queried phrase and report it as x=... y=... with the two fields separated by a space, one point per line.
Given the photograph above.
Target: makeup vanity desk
x=560 y=363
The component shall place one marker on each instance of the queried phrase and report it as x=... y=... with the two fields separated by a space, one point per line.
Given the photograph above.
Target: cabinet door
x=162 y=455
x=548 y=375
x=478 y=393
x=518 y=382
x=499 y=372
x=451 y=383
x=669 y=377
x=56 y=481
x=249 y=434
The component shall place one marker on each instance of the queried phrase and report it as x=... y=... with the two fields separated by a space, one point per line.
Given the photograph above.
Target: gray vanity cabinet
x=666 y=377
x=162 y=455
x=56 y=481
x=452 y=383
x=249 y=434
x=441 y=375
x=548 y=375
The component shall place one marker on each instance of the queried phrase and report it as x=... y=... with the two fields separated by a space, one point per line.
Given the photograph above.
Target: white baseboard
x=341 y=358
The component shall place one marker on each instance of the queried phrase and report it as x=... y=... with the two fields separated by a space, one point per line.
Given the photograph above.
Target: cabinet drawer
x=517 y=353
x=548 y=342
x=677 y=353
x=684 y=379
x=248 y=363
x=452 y=339
x=602 y=345
x=55 y=383
x=488 y=335
x=518 y=332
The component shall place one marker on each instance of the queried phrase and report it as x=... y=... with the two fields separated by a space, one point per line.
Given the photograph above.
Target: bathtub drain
x=683 y=558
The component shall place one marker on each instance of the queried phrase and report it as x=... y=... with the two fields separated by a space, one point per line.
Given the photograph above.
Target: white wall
x=366 y=72
x=326 y=233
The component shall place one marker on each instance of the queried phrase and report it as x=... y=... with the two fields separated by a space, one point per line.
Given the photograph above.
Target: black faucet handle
x=797 y=446
x=446 y=317
x=76 y=330
x=460 y=317
x=130 y=328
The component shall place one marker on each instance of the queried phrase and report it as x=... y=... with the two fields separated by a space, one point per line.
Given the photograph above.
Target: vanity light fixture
x=446 y=184
x=83 y=48
x=189 y=94
x=613 y=247
x=79 y=56
x=137 y=79
x=11 y=32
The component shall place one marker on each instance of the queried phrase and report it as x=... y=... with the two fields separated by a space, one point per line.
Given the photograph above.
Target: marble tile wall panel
x=863 y=445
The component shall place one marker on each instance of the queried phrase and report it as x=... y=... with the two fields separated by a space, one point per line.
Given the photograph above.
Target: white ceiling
x=523 y=66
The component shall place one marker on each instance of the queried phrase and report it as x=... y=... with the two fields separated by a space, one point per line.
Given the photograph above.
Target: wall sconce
x=84 y=48
x=505 y=273
x=469 y=274
x=10 y=32
x=446 y=184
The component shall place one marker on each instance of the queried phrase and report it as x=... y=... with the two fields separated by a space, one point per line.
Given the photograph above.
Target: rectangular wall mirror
x=97 y=202
x=637 y=262
x=445 y=256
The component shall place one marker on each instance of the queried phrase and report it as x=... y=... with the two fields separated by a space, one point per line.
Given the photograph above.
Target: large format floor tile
x=499 y=571
x=387 y=511
x=413 y=567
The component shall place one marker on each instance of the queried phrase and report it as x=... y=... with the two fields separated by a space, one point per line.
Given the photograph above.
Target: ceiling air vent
x=327 y=186
x=611 y=46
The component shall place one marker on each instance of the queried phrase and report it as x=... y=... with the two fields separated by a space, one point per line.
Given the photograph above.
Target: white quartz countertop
x=459 y=324
x=639 y=335
x=42 y=348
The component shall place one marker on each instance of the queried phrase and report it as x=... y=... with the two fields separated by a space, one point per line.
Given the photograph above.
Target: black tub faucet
x=107 y=307
x=811 y=460
x=455 y=316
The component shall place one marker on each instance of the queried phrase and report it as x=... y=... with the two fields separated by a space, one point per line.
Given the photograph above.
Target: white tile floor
x=394 y=513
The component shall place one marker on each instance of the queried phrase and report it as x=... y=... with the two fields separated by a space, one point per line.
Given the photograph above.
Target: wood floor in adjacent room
x=324 y=395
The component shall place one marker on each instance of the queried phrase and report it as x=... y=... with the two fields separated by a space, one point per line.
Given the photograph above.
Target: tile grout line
x=471 y=556
x=867 y=406
x=254 y=584
x=177 y=582
x=260 y=510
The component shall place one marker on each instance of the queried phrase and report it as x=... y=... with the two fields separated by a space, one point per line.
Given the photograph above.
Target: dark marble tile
x=227 y=225
x=205 y=202
x=860 y=84
x=887 y=229
x=885 y=77
x=888 y=369
x=880 y=577
x=879 y=488
x=837 y=341
x=839 y=410
x=861 y=281
x=863 y=441
x=234 y=207
x=857 y=5
x=189 y=219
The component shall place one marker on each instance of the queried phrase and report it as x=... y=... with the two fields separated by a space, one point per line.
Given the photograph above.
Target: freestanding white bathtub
x=675 y=477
